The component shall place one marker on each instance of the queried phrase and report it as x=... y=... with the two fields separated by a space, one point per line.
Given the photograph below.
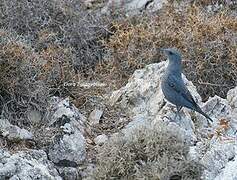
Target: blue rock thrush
x=173 y=86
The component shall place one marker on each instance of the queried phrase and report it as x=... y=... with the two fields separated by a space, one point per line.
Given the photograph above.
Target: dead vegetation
x=45 y=44
x=206 y=40
x=156 y=153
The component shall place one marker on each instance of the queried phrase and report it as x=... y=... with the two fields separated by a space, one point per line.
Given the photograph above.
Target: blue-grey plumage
x=173 y=86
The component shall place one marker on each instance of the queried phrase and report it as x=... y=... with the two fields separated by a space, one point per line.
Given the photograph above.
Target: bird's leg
x=177 y=112
x=178 y=108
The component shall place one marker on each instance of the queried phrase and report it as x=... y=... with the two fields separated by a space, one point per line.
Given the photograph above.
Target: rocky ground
x=72 y=152
x=91 y=129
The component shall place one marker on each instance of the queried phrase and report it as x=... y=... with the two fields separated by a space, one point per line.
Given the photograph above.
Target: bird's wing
x=178 y=85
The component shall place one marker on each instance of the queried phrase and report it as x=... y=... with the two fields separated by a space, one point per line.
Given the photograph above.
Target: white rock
x=193 y=154
x=70 y=150
x=95 y=116
x=88 y=3
x=229 y=172
x=69 y=173
x=27 y=165
x=232 y=99
x=34 y=116
x=68 y=128
x=86 y=171
x=62 y=112
x=142 y=95
x=217 y=107
x=101 y=139
x=13 y=132
x=131 y=7
x=143 y=100
x=216 y=158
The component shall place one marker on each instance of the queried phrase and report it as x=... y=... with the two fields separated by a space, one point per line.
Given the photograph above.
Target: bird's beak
x=163 y=50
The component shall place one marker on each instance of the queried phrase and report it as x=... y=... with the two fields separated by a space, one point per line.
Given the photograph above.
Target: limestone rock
x=216 y=158
x=27 y=165
x=69 y=173
x=213 y=146
x=95 y=116
x=229 y=172
x=131 y=7
x=62 y=112
x=68 y=150
x=12 y=132
x=144 y=101
x=232 y=99
x=142 y=95
x=101 y=139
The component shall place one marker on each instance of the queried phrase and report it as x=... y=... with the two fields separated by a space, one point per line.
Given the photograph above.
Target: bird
x=173 y=86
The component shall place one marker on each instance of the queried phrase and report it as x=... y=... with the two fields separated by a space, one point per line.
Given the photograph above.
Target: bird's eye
x=170 y=53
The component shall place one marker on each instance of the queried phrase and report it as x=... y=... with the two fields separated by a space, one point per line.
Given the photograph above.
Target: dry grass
x=40 y=52
x=20 y=89
x=29 y=78
x=207 y=40
x=157 y=153
x=60 y=23
x=45 y=44
x=204 y=3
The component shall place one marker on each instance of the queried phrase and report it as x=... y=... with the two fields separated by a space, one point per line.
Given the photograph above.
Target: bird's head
x=172 y=54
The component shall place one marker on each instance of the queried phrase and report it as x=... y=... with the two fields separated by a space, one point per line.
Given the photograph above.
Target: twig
x=212 y=84
x=102 y=27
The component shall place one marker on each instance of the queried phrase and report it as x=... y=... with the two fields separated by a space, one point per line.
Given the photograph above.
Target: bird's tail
x=204 y=114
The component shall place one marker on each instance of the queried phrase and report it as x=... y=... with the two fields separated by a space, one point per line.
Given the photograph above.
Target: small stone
x=69 y=173
x=69 y=150
x=34 y=116
x=95 y=116
x=67 y=128
x=29 y=164
x=62 y=112
x=12 y=132
x=101 y=139
x=86 y=171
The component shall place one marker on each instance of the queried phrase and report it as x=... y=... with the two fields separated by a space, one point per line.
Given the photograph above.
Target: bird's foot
x=177 y=115
x=169 y=119
x=208 y=123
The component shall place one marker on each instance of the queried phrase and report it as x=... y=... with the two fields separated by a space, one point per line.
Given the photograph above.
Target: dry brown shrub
x=29 y=78
x=20 y=89
x=205 y=3
x=57 y=66
x=60 y=23
x=206 y=40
